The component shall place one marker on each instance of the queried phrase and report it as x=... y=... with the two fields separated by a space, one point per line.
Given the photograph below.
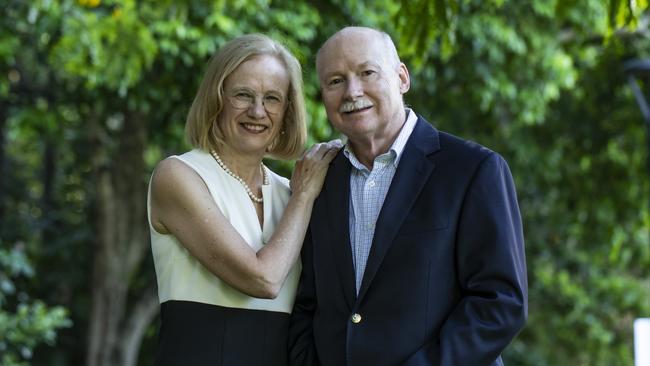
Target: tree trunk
x=122 y=242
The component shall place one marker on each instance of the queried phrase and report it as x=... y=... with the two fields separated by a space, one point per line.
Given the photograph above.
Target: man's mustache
x=354 y=105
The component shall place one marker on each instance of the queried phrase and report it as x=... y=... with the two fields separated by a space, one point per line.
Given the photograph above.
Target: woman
x=225 y=233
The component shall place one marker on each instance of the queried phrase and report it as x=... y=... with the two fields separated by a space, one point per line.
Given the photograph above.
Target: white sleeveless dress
x=203 y=319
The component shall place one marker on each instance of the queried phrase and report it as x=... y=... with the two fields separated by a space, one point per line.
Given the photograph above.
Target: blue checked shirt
x=368 y=190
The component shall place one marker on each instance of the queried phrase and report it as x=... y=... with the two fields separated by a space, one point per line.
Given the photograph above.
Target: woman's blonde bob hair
x=202 y=129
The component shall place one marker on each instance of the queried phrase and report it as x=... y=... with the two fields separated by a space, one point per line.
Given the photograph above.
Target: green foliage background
x=539 y=81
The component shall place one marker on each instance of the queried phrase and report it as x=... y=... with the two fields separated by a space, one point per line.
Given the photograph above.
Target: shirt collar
x=404 y=134
x=395 y=151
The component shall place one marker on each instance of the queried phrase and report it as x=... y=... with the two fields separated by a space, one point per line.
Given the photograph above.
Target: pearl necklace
x=223 y=166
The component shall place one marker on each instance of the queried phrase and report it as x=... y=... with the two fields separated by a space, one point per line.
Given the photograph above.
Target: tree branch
x=141 y=315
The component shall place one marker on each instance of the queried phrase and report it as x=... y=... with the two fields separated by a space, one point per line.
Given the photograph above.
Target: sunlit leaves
x=625 y=12
x=110 y=47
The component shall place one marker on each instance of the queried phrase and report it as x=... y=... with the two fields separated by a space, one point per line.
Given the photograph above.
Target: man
x=415 y=253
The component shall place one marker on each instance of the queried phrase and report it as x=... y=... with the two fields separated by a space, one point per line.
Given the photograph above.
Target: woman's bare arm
x=182 y=206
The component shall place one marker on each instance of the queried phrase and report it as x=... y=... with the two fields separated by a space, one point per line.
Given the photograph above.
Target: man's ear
x=404 y=78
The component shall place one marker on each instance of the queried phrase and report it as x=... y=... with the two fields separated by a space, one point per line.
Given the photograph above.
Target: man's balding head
x=361 y=36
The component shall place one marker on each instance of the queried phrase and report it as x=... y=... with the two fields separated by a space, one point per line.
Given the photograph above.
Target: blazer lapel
x=337 y=194
x=412 y=173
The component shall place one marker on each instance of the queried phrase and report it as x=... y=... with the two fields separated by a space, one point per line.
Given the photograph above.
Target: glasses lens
x=241 y=100
x=273 y=104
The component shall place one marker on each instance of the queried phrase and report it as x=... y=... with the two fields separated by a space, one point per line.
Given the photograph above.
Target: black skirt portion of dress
x=197 y=334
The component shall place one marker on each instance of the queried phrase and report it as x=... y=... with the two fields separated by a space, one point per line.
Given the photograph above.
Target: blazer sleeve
x=302 y=350
x=491 y=269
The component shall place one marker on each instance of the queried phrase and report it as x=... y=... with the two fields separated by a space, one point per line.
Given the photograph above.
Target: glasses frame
x=240 y=102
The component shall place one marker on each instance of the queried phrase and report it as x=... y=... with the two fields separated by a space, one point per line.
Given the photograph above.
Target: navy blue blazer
x=445 y=283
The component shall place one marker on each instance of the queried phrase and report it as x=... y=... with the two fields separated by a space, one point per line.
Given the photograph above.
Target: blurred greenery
x=32 y=322
x=95 y=92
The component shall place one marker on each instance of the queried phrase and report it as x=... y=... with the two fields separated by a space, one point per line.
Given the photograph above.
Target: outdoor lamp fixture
x=640 y=69
x=635 y=70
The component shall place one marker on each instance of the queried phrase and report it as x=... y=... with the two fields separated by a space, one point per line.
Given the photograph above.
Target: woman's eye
x=368 y=72
x=273 y=98
x=244 y=96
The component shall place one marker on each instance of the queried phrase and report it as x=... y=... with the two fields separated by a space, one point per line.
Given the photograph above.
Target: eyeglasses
x=243 y=99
